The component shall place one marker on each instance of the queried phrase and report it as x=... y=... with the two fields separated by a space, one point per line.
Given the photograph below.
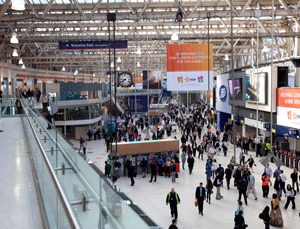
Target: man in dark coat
x=242 y=187
x=200 y=196
x=153 y=169
x=173 y=199
x=190 y=162
x=131 y=173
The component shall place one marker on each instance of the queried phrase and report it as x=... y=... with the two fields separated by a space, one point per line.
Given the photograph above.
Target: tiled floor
x=18 y=201
x=151 y=197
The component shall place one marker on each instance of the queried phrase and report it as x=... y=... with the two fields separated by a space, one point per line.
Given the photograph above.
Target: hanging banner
x=288 y=107
x=222 y=94
x=187 y=81
x=189 y=66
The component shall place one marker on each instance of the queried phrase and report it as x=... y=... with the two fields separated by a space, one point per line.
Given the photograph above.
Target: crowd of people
x=199 y=139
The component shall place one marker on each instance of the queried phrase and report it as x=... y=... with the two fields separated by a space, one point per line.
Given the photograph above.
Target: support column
x=243 y=130
x=296 y=54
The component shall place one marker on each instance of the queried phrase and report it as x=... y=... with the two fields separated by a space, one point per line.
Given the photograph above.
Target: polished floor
x=18 y=201
x=220 y=213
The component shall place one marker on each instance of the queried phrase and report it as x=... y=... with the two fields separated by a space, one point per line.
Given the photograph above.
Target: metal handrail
x=67 y=208
x=73 y=165
x=81 y=176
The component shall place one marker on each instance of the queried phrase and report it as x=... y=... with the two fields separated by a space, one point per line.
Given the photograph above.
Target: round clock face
x=125 y=79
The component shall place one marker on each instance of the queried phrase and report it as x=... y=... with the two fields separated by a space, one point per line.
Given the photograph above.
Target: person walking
x=117 y=168
x=200 y=197
x=209 y=190
x=294 y=177
x=174 y=224
x=173 y=171
x=208 y=169
x=228 y=175
x=242 y=187
x=265 y=184
x=251 y=185
x=269 y=172
x=217 y=183
x=265 y=216
x=283 y=180
x=153 y=170
x=107 y=169
x=183 y=159
x=290 y=194
x=214 y=168
x=239 y=209
x=173 y=200
x=275 y=214
x=278 y=187
x=239 y=221
x=190 y=162
x=131 y=173
x=250 y=162
x=144 y=165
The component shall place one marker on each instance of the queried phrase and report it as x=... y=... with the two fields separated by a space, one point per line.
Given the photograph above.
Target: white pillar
x=244 y=130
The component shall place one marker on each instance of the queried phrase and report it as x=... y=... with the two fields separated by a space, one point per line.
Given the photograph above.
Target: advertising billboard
x=256 y=87
x=222 y=94
x=137 y=103
x=188 y=67
x=138 y=81
x=236 y=86
x=288 y=107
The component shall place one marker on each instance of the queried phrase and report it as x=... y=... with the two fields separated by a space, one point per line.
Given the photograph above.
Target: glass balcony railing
x=75 y=194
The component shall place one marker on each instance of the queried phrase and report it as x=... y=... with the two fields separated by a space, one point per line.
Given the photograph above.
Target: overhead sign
x=222 y=94
x=288 y=107
x=188 y=67
x=78 y=45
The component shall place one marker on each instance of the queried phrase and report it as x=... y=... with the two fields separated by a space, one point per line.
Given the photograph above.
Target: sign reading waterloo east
x=288 y=107
x=188 y=66
x=80 y=45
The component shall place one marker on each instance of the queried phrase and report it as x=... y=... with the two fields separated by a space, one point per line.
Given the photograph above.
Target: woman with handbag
x=275 y=214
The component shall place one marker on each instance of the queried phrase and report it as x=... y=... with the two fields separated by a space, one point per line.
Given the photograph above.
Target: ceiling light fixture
x=17 y=4
x=139 y=51
x=138 y=64
x=63 y=69
x=15 y=53
x=23 y=66
x=20 y=61
x=226 y=57
x=112 y=64
x=14 y=38
x=119 y=60
x=76 y=72
x=174 y=37
x=118 y=68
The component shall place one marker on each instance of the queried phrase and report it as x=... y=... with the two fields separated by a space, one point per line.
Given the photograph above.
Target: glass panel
x=78 y=181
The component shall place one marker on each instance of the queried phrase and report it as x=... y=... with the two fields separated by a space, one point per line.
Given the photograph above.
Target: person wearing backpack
x=290 y=194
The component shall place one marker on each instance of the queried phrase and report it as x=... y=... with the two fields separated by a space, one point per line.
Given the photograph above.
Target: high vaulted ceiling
x=146 y=24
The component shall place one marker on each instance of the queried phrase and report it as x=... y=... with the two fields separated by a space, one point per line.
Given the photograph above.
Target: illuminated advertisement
x=256 y=87
x=288 y=107
x=188 y=67
x=222 y=94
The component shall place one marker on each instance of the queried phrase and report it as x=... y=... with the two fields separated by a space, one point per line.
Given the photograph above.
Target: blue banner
x=74 y=45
